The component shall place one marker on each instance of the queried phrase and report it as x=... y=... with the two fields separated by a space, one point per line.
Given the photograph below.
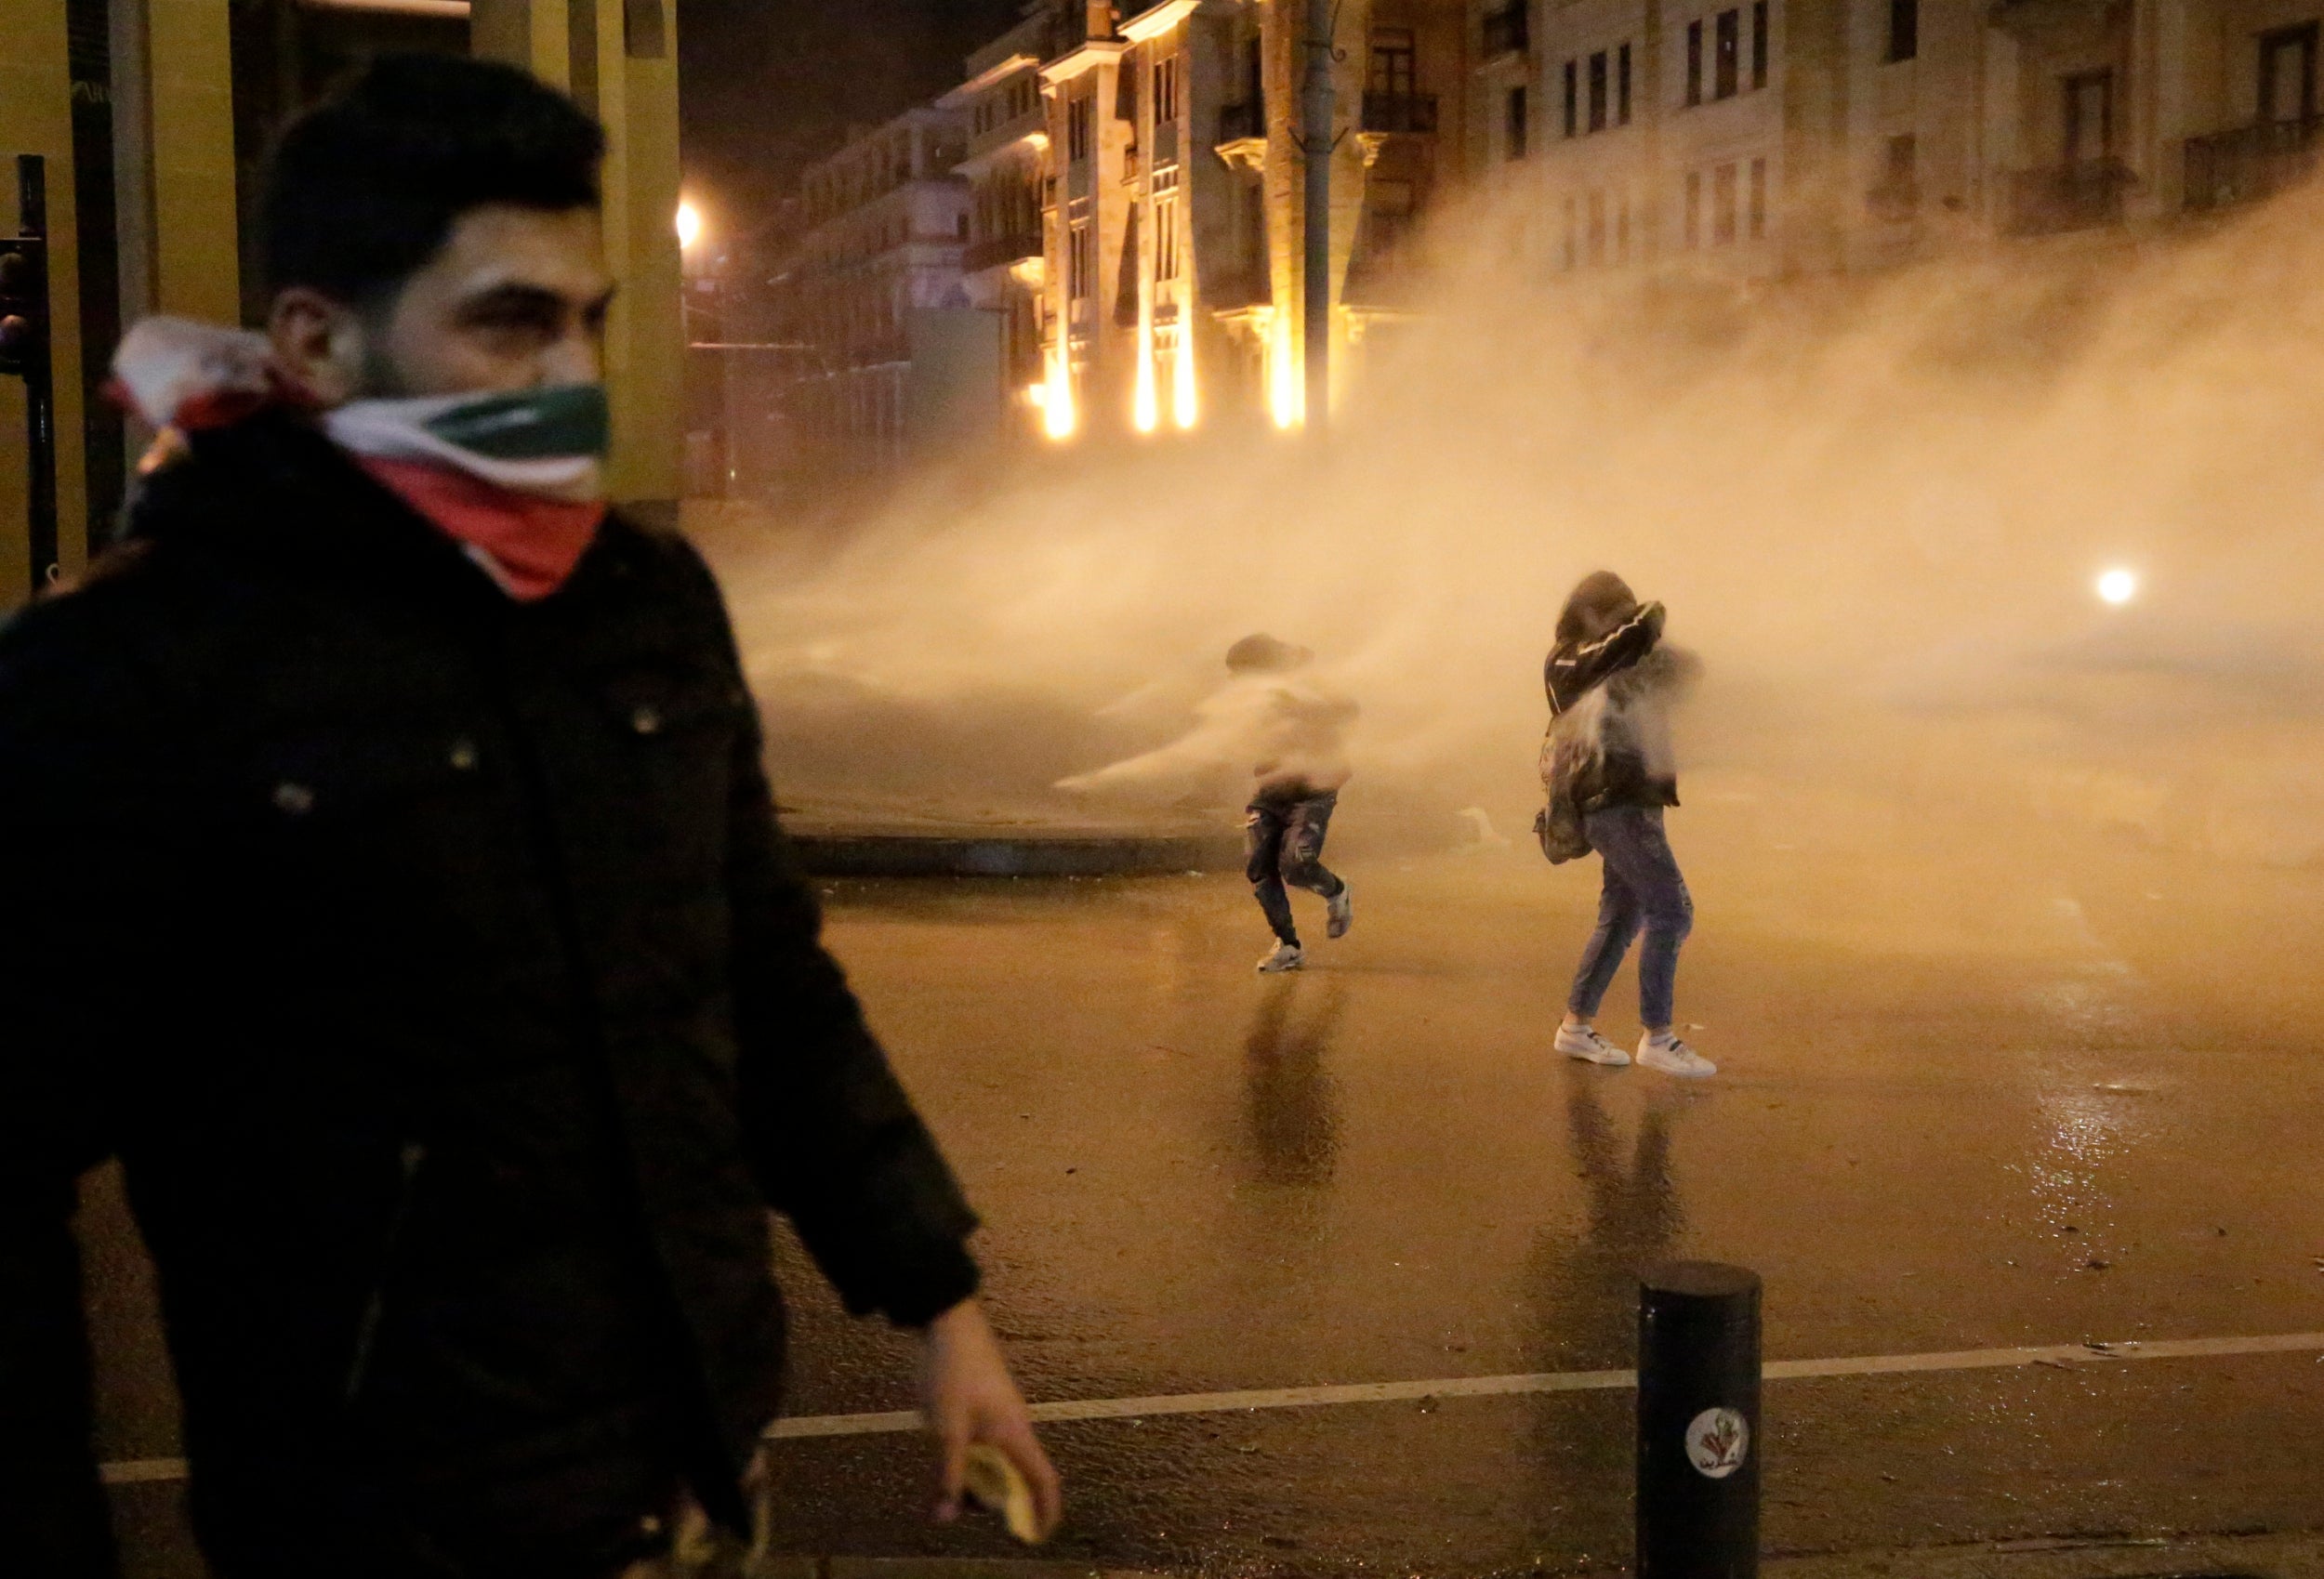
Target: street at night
x=1940 y=1126
x=1161 y=789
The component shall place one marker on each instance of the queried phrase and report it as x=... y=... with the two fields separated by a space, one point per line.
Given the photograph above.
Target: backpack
x=1558 y=827
x=1558 y=824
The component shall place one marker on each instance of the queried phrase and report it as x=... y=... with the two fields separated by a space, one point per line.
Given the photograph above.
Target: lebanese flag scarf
x=517 y=480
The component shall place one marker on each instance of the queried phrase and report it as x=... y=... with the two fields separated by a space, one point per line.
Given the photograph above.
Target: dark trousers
x=1643 y=891
x=1286 y=840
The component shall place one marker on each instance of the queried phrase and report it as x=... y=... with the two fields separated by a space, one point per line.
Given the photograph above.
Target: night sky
x=770 y=85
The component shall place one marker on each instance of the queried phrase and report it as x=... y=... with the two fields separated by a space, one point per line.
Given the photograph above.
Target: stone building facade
x=1135 y=201
x=1784 y=136
x=872 y=295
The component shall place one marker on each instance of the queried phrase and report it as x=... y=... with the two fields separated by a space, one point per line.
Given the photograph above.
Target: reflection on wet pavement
x=1288 y=1096
x=1945 y=1124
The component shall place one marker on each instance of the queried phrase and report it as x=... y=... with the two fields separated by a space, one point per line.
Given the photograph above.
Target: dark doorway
x=2089 y=117
x=2288 y=75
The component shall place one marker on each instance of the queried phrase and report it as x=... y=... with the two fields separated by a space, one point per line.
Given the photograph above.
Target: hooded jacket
x=433 y=966
x=1610 y=692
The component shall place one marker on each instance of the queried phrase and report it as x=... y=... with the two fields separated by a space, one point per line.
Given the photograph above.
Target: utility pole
x=1316 y=114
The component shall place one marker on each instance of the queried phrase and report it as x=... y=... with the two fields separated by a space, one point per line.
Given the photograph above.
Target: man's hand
x=968 y=1396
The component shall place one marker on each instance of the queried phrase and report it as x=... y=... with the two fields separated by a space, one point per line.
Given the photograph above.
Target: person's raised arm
x=1571 y=671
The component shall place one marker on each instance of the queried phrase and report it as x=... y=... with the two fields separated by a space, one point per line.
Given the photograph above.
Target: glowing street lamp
x=688 y=224
x=2117 y=586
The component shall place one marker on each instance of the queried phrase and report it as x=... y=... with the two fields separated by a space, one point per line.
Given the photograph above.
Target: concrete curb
x=951 y=852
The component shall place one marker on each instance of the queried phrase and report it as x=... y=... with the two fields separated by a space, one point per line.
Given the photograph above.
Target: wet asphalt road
x=1966 y=1101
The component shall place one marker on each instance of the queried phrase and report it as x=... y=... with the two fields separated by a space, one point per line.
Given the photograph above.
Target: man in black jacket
x=397 y=894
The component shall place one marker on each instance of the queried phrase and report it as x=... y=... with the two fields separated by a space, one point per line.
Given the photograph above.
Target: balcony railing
x=2250 y=162
x=1393 y=113
x=1509 y=30
x=1242 y=284
x=2084 y=196
x=1237 y=122
x=994 y=251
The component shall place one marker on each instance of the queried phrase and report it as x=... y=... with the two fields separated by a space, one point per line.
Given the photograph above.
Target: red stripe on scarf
x=534 y=543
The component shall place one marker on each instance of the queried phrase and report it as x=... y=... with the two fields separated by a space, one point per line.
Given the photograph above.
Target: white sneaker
x=1287 y=956
x=1584 y=1043
x=1673 y=1056
x=1342 y=909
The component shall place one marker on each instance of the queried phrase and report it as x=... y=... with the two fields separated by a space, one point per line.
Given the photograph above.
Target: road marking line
x=147 y=1471
x=1573 y=1381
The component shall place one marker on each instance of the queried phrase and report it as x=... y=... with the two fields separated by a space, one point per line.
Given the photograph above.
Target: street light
x=688 y=224
x=2117 y=586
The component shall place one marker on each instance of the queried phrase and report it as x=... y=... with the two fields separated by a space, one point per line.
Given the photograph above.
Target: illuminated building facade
x=874 y=301
x=1786 y=137
x=1167 y=170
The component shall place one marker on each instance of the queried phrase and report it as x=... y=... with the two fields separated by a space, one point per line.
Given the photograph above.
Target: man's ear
x=319 y=343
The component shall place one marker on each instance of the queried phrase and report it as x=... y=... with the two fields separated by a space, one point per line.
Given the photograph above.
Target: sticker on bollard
x=1717 y=1441
x=1698 y=1425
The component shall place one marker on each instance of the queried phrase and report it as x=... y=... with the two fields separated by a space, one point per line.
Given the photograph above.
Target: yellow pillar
x=189 y=149
x=36 y=117
x=619 y=61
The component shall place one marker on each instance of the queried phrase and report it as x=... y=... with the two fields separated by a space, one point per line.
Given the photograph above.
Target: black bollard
x=1698 y=1438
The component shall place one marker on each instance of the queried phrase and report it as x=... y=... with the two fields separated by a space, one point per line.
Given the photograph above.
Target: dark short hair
x=363 y=188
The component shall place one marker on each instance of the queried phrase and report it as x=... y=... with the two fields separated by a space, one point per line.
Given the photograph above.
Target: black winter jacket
x=1597 y=750
x=434 y=966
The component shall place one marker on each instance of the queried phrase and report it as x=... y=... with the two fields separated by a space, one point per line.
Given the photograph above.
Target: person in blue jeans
x=1611 y=684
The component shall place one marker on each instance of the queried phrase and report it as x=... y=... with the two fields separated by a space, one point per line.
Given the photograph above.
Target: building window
x=1898 y=196
x=1595 y=239
x=1390 y=210
x=2089 y=116
x=1759 y=43
x=1622 y=87
x=1166 y=105
x=1903 y=29
x=1694 y=209
x=1694 y=63
x=1082 y=261
x=1722 y=205
x=1572 y=246
x=1598 y=91
x=1166 y=226
x=1757 y=215
x=1621 y=230
x=2286 y=88
x=1394 y=62
x=1080 y=121
x=1515 y=134
x=1573 y=97
x=1728 y=78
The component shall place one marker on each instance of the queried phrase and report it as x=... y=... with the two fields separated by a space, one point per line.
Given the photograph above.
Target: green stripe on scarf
x=570 y=419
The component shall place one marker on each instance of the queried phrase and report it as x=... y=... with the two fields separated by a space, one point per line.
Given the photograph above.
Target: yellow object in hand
x=996 y=1482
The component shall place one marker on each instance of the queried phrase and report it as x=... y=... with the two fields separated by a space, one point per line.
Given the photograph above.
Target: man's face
x=515 y=299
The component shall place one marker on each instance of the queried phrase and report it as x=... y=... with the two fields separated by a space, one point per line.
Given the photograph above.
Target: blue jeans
x=1643 y=891
x=1285 y=838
